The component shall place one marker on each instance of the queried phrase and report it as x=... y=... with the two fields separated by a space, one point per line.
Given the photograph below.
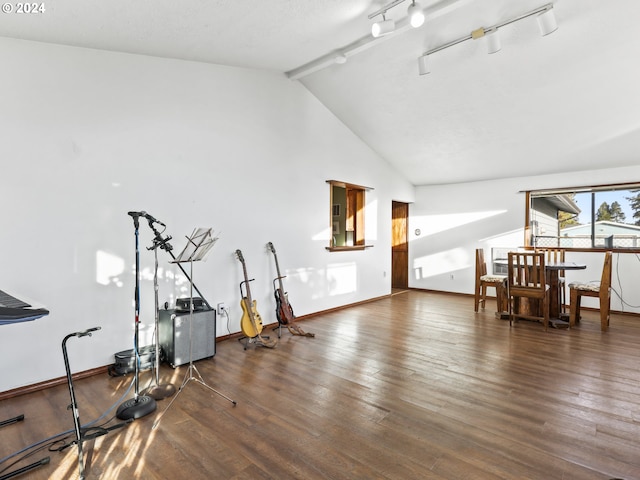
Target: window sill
x=347 y=249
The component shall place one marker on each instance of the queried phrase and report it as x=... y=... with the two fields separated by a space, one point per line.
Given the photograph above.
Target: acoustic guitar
x=251 y=322
x=284 y=310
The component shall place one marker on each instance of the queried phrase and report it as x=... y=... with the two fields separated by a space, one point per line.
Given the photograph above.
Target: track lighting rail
x=546 y=26
x=384 y=9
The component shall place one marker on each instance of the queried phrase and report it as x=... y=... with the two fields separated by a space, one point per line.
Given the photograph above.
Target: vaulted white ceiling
x=563 y=102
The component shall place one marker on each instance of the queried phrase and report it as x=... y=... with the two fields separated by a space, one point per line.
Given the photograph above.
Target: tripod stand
x=139 y=405
x=197 y=247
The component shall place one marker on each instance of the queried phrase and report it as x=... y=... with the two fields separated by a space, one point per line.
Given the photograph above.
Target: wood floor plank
x=411 y=386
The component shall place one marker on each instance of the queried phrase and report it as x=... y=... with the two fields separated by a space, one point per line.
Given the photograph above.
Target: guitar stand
x=298 y=329
x=258 y=339
x=29 y=467
x=278 y=328
x=86 y=433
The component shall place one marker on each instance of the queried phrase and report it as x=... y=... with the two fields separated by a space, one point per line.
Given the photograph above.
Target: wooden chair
x=483 y=280
x=556 y=255
x=601 y=289
x=526 y=280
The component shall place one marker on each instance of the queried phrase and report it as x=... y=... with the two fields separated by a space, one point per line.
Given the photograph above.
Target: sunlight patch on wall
x=441 y=263
x=309 y=278
x=146 y=274
x=303 y=274
x=109 y=269
x=323 y=235
x=432 y=224
x=371 y=221
x=341 y=278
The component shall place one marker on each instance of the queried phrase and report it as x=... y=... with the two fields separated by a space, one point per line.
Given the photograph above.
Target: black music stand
x=197 y=247
x=139 y=405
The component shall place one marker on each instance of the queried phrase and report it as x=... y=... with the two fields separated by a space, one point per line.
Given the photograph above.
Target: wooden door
x=399 y=245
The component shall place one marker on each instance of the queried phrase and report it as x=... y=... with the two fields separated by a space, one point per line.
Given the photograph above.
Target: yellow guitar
x=251 y=322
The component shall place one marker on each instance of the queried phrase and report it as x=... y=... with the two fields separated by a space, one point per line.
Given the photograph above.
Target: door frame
x=399 y=244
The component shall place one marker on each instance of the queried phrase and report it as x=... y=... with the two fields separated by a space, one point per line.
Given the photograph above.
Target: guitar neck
x=275 y=257
x=246 y=283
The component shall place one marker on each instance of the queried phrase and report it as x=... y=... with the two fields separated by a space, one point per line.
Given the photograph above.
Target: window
x=586 y=217
x=347 y=210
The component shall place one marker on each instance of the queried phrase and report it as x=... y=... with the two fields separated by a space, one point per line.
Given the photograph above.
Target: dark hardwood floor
x=414 y=386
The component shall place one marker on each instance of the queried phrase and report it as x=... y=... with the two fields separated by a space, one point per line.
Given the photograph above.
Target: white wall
x=456 y=219
x=89 y=135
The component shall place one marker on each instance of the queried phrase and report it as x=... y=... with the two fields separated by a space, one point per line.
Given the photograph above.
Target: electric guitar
x=251 y=322
x=284 y=310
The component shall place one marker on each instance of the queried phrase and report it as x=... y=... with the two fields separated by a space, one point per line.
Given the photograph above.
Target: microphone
x=147 y=216
x=152 y=220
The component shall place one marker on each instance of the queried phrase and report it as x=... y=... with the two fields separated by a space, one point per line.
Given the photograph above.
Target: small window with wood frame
x=347 y=212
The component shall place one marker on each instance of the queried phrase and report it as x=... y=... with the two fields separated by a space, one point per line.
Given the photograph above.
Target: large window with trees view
x=585 y=217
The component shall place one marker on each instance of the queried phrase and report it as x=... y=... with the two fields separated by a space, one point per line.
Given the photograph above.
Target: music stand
x=197 y=247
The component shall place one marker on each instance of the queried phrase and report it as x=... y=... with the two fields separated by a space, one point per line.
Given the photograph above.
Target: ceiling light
x=492 y=41
x=423 y=65
x=547 y=22
x=384 y=27
x=416 y=15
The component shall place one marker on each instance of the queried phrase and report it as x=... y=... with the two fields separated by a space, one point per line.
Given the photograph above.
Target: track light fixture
x=492 y=41
x=384 y=27
x=546 y=23
x=416 y=15
x=423 y=65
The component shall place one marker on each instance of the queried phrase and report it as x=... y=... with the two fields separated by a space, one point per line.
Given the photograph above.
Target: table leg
x=555 y=308
x=502 y=301
x=554 y=294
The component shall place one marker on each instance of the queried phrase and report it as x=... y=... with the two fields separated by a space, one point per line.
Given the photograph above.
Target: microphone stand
x=140 y=405
x=158 y=391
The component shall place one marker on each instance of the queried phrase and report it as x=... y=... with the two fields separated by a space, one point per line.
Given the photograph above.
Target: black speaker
x=173 y=336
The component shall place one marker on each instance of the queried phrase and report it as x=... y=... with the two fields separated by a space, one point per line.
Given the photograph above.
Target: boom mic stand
x=158 y=392
x=139 y=405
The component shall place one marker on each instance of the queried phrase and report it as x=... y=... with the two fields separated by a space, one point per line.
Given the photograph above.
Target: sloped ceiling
x=565 y=102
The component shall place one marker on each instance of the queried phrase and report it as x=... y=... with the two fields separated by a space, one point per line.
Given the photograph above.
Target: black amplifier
x=181 y=341
x=184 y=304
